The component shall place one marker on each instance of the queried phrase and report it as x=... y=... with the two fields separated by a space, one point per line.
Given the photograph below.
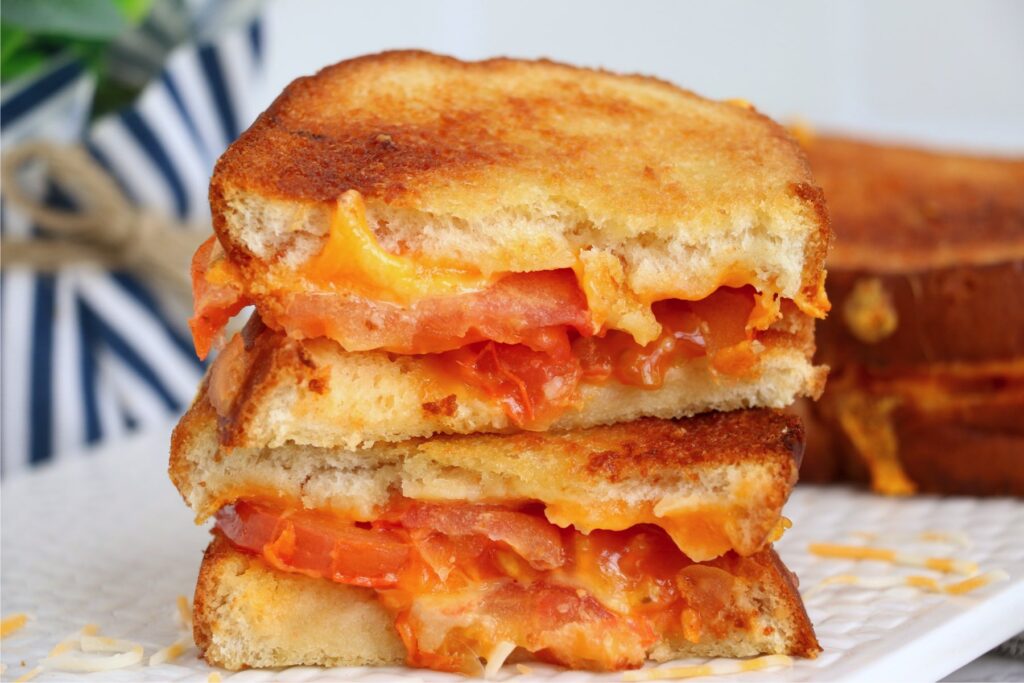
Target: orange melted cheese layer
x=461 y=580
x=353 y=258
x=352 y=255
x=701 y=532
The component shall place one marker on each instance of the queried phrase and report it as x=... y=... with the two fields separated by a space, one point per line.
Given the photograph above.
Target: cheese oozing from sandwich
x=364 y=296
x=461 y=579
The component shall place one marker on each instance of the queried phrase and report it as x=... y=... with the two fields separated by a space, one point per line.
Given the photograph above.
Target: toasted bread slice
x=248 y=614
x=468 y=171
x=929 y=244
x=270 y=390
x=898 y=209
x=956 y=314
x=944 y=429
x=714 y=482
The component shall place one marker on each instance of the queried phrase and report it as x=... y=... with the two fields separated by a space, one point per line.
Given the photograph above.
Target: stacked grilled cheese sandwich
x=927 y=343
x=470 y=417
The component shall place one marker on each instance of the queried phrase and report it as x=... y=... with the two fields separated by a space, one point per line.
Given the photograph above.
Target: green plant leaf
x=20 y=64
x=92 y=19
x=12 y=39
x=134 y=10
x=18 y=55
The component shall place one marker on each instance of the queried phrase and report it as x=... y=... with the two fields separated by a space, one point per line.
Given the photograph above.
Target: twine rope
x=104 y=228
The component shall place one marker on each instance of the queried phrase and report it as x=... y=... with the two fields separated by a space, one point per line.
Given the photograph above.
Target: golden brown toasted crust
x=444 y=132
x=899 y=209
x=957 y=429
x=248 y=614
x=715 y=482
x=622 y=160
x=767 y=569
x=963 y=313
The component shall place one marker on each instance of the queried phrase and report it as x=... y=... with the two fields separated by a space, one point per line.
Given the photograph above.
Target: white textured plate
x=105 y=539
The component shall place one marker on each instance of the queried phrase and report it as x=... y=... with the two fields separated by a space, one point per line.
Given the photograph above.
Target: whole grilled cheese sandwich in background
x=523 y=231
x=496 y=304
x=926 y=342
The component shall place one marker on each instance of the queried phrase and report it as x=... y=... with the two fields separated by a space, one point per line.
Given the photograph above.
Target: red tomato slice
x=214 y=304
x=532 y=538
x=532 y=386
x=535 y=381
x=560 y=624
x=324 y=545
x=515 y=309
x=315 y=544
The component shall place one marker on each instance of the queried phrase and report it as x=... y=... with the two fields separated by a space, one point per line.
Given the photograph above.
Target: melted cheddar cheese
x=353 y=256
x=352 y=259
x=463 y=580
x=702 y=532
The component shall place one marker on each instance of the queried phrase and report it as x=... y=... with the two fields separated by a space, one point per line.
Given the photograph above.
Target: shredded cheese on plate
x=184 y=613
x=171 y=652
x=946 y=565
x=716 y=668
x=924 y=583
x=69 y=643
x=956 y=538
x=64 y=656
x=29 y=675
x=12 y=624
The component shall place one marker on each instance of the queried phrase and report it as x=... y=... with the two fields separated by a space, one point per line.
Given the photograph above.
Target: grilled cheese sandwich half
x=249 y=613
x=714 y=483
x=593 y=548
x=499 y=200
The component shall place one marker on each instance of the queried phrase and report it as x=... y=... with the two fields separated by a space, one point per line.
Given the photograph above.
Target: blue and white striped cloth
x=89 y=354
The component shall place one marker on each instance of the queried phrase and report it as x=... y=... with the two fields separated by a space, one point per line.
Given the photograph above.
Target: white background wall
x=949 y=72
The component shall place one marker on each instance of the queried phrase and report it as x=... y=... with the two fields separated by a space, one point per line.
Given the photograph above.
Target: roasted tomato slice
x=324 y=545
x=216 y=296
x=531 y=537
x=533 y=384
x=316 y=544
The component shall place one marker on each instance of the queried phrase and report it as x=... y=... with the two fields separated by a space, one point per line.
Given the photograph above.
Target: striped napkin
x=89 y=354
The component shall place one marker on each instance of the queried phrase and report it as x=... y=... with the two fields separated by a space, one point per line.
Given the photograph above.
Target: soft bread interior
x=248 y=615
x=313 y=393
